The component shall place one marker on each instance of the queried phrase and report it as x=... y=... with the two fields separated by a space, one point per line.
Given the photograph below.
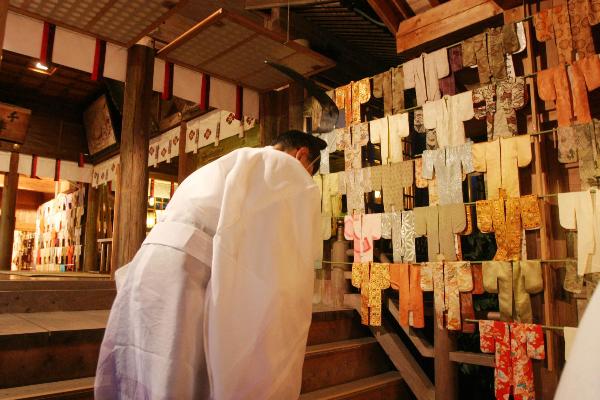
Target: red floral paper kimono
x=514 y=345
x=526 y=342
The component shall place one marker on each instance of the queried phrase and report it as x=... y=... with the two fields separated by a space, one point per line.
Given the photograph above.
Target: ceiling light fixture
x=41 y=66
x=37 y=66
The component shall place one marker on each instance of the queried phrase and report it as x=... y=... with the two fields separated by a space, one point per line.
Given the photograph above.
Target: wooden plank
x=423 y=346
x=388 y=14
x=464 y=357
x=133 y=187
x=50 y=390
x=401 y=357
x=9 y=204
x=267 y=4
x=90 y=246
x=347 y=390
x=41 y=185
x=435 y=15
x=436 y=23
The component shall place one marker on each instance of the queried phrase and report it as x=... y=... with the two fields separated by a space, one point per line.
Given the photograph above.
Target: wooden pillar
x=114 y=255
x=3 y=15
x=133 y=187
x=446 y=374
x=90 y=246
x=296 y=106
x=9 y=205
x=268 y=117
x=183 y=164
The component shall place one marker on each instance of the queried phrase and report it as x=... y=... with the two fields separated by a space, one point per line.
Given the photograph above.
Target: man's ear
x=302 y=152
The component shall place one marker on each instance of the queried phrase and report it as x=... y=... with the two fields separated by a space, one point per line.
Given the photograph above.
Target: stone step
x=51 y=346
x=331 y=364
x=335 y=326
x=72 y=389
x=386 y=386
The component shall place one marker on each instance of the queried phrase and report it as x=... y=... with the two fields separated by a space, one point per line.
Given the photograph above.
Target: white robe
x=580 y=379
x=247 y=334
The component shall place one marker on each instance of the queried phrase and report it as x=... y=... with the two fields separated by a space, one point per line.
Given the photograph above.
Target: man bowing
x=217 y=302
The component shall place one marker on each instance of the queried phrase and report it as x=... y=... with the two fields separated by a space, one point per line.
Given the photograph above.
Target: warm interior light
x=151 y=201
x=377 y=194
x=150 y=220
x=41 y=66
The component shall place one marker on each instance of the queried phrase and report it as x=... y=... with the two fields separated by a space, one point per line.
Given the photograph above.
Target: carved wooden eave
x=443 y=20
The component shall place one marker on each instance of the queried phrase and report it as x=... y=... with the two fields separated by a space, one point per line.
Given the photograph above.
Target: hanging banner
x=164 y=147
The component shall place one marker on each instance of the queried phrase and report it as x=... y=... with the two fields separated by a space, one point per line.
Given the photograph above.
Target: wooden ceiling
x=66 y=85
x=359 y=35
x=119 y=21
x=230 y=46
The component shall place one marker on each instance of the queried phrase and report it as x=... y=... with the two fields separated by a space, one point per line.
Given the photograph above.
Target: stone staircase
x=50 y=335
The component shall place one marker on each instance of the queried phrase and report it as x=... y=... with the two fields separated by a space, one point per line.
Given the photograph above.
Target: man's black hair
x=294 y=139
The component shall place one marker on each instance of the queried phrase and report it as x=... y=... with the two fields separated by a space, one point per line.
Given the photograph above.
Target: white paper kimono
x=241 y=324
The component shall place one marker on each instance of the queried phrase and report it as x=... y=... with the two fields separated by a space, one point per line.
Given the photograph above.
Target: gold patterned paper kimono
x=350 y=97
x=507 y=218
x=371 y=279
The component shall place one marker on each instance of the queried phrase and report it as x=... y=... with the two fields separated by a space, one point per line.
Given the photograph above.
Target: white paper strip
x=73 y=50
x=23 y=35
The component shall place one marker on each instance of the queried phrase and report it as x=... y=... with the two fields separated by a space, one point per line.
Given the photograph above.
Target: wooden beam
x=133 y=186
x=90 y=247
x=296 y=106
x=465 y=357
x=268 y=117
x=3 y=15
x=266 y=4
x=9 y=204
x=443 y=20
x=446 y=372
x=390 y=16
x=403 y=8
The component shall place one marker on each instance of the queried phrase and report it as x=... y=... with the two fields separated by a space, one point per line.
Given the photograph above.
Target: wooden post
x=90 y=246
x=114 y=255
x=3 y=15
x=9 y=204
x=446 y=374
x=133 y=186
x=296 y=106
x=183 y=164
x=268 y=118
